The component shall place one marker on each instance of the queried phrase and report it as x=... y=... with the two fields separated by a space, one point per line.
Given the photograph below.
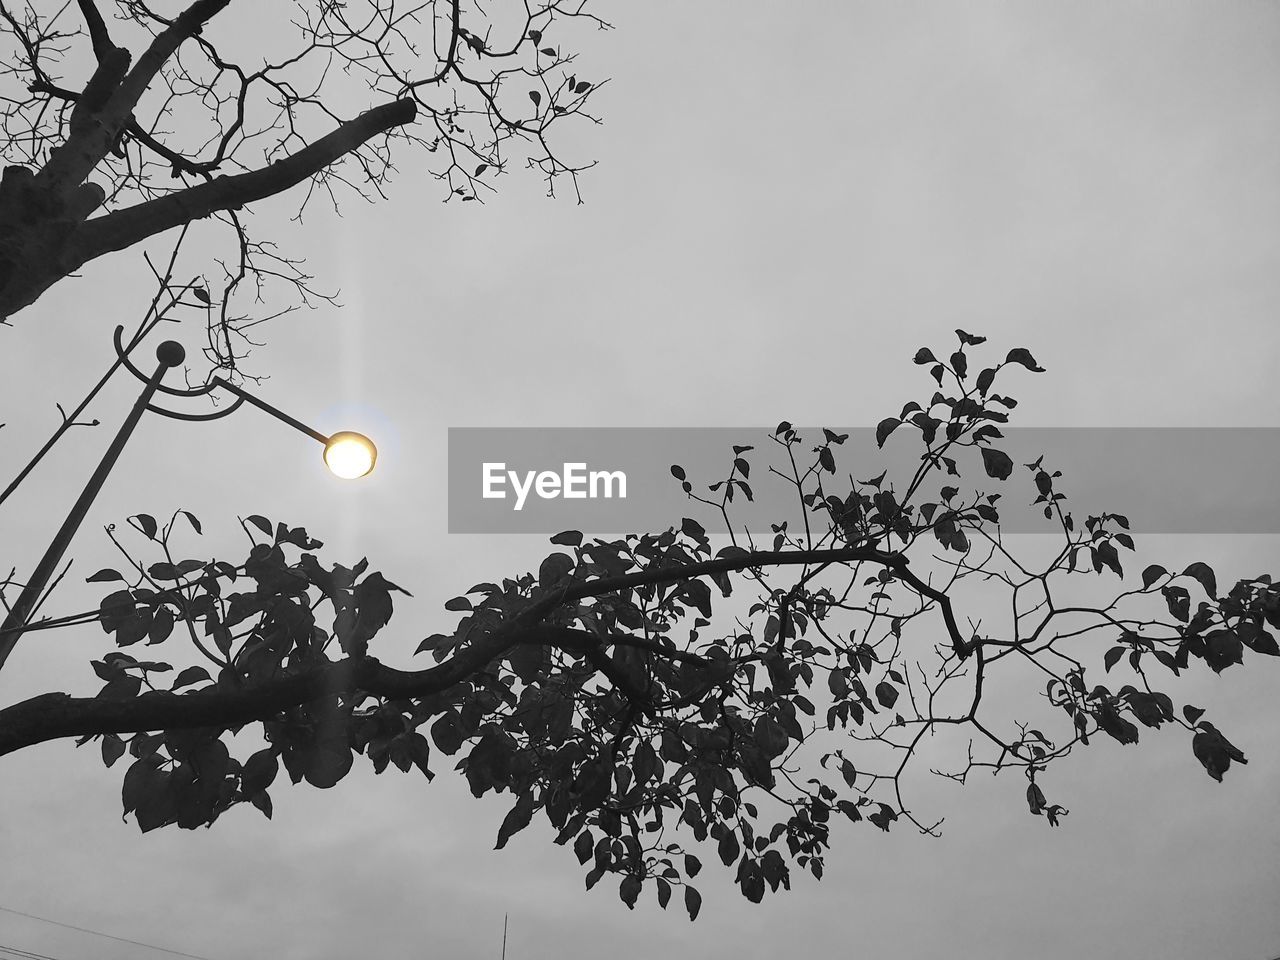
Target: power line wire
x=99 y=933
x=23 y=954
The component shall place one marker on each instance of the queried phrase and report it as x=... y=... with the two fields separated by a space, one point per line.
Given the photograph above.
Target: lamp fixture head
x=350 y=455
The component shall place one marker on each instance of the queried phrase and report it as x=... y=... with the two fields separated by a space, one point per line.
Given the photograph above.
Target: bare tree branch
x=124 y=228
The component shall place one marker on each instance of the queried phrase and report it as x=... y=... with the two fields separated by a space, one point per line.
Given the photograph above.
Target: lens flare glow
x=350 y=455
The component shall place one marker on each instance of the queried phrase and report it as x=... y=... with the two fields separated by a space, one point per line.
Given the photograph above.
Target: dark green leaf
x=1203 y=573
x=664 y=892
x=693 y=529
x=161 y=626
x=517 y=819
x=328 y=760
x=146 y=523
x=883 y=817
x=886 y=695
x=1152 y=574
x=112 y=749
x=583 y=846
x=133 y=628
x=146 y=794
x=849 y=772
x=996 y=463
x=554 y=569
x=728 y=848
x=263 y=802
x=259 y=772
x=446 y=733
x=1035 y=799
x=1115 y=725
x=1152 y=709
x=884 y=428
x=692 y=902
x=1023 y=356
x=107 y=671
x=1257 y=639
x=261 y=522
x=1214 y=751
x=1178 y=601
x=629 y=890
x=770 y=737
x=1107 y=554
x=1222 y=648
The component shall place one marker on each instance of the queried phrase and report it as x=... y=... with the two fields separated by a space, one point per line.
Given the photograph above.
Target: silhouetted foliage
x=607 y=695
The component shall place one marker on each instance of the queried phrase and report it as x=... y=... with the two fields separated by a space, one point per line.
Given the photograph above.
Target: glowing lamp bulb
x=349 y=455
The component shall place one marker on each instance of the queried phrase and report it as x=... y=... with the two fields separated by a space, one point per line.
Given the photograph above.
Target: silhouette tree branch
x=56 y=715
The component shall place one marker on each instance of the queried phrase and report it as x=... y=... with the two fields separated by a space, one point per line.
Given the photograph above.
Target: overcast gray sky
x=790 y=200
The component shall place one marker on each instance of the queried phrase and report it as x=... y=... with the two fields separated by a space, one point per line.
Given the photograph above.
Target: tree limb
x=581 y=641
x=740 y=561
x=106 y=105
x=185 y=26
x=56 y=715
x=118 y=230
x=52 y=716
x=135 y=131
x=101 y=40
x=123 y=228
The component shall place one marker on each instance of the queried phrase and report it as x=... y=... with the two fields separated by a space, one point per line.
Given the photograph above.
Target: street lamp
x=347 y=454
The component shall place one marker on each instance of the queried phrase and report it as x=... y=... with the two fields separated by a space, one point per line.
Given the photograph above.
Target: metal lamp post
x=347 y=454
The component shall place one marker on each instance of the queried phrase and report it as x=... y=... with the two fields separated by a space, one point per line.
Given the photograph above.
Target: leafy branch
x=598 y=693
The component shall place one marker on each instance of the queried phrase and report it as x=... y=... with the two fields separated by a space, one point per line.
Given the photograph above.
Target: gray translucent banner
x=1164 y=480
